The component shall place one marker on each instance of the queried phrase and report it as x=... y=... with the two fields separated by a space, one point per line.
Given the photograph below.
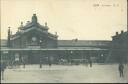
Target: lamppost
x=23 y=61
x=71 y=53
x=90 y=60
x=102 y=57
x=40 y=55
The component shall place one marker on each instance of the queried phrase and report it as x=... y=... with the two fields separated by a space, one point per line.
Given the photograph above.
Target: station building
x=33 y=43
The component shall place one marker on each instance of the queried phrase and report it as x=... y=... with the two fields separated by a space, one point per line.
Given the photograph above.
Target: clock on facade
x=34 y=38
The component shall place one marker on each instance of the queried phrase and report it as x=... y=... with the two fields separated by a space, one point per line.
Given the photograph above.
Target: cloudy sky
x=82 y=19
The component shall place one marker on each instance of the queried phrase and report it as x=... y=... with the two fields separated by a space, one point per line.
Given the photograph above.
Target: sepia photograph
x=64 y=41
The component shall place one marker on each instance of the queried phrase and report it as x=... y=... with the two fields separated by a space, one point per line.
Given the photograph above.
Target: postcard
x=64 y=41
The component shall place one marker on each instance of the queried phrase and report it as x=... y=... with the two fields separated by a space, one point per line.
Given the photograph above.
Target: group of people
x=120 y=68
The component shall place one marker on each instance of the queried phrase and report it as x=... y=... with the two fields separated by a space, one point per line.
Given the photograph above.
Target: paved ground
x=65 y=74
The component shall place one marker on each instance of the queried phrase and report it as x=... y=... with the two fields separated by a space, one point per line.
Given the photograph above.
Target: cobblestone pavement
x=98 y=73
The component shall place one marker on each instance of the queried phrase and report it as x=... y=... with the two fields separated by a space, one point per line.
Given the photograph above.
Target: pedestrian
x=121 y=68
x=40 y=63
x=24 y=64
x=50 y=64
x=3 y=67
x=90 y=62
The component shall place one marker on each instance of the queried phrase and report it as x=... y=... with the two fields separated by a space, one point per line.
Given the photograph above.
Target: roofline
x=84 y=40
x=73 y=40
x=22 y=33
x=27 y=49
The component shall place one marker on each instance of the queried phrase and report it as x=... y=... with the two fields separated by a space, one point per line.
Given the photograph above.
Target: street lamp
x=102 y=57
x=71 y=52
x=23 y=60
x=40 y=55
x=40 y=43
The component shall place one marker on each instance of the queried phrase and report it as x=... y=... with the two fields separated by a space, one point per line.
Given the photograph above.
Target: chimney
x=55 y=33
x=9 y=35
x=122 y=32
x=28 y=22
x=46 y=24
x=117 y=33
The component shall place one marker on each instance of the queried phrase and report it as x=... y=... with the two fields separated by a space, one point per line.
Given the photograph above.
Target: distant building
x=119 y=49
x=33 y=43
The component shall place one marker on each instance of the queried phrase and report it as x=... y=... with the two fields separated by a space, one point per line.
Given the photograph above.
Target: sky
x=81 y=19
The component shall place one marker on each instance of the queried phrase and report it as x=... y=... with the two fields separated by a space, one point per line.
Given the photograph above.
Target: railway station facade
x=33 y=43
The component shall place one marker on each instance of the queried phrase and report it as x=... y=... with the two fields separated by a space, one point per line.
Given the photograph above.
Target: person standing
x=3 y=67
x=24 y=64
x=49 y=62
x=90 y=62
x=121 y=68
x=40 y=63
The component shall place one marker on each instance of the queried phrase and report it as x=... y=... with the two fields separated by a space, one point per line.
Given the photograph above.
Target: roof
x=36 y=29
x=79 y=44
x=84 y=43
x=124 y=34
x=30 y=26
